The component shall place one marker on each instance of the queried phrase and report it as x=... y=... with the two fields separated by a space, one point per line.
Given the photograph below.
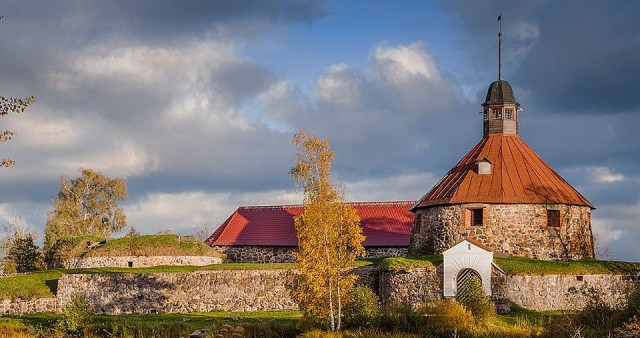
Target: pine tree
x=329 y=238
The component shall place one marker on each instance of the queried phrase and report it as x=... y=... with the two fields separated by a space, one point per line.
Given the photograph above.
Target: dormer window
x=484 y=166
x=508 y=113
x=497 y=113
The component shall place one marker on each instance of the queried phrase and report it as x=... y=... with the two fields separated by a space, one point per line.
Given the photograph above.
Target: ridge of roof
x=285 y=206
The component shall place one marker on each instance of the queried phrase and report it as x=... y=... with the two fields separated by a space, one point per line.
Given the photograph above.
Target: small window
x=579 y=278
x=130 y=264
x=497 y=113
x=486 y=115
x=508 y=114
x=468 y=246
x=553 y=218
x=476 y=217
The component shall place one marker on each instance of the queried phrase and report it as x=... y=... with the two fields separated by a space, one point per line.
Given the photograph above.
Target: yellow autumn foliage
x=329 y=236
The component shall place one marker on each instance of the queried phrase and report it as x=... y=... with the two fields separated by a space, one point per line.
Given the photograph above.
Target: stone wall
x=558 y=292
x=412 y=286
x=386 y=251
x=258 y=254
x=135 y=261
x=284 y=254
x=201 y=291
x=21 y=307
x=517 y=229
x=264 y=290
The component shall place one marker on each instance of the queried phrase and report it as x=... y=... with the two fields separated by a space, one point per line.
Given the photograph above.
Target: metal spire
x=500 y=48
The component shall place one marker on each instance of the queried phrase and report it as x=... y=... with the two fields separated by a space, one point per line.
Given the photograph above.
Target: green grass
x=428 y=262
x=196 y=320
x=146 y=245
x=527 y=266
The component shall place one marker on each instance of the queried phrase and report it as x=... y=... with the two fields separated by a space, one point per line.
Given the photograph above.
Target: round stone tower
x=502 y=194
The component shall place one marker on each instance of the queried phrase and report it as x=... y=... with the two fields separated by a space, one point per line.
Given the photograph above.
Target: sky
x=194 y=103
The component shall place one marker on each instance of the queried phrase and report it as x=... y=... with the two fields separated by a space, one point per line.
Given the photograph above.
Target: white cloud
x=397 y=64
x=181 y=212
x=603 y=175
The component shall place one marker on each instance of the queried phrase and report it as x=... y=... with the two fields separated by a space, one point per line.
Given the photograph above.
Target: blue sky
x=194 y=103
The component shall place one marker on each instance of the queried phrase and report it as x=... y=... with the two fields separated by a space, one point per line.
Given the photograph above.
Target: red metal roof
x=518 y=175
x=383 y=224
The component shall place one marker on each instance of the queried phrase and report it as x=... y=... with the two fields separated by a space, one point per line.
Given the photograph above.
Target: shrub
x=25 y=254
x=630 y=329
x=476 y=301
x=9 y=266
x=363 y=308
x=447 y=316
x=402 y=318
x=596 y=312
x=75 y=315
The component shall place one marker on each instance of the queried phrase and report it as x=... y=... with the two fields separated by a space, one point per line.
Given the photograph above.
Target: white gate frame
x=468 y=254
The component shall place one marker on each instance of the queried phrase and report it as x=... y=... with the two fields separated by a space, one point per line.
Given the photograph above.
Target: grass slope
x=146 y=245
x=527 y=266
x=428 y=262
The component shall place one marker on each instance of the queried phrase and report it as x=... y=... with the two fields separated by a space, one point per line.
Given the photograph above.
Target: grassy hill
x=147 y=245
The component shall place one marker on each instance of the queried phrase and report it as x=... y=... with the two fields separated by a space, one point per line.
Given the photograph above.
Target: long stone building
x=266 y=234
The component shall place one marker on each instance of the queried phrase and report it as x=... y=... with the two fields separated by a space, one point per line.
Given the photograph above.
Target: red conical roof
x=518 y=175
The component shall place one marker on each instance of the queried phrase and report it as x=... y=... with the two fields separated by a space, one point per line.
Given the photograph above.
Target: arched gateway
x=464 y=261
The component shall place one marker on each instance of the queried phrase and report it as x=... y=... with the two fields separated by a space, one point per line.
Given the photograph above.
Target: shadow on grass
x=52 y=284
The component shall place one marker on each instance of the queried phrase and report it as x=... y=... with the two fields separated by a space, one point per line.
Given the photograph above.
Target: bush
x=596 y=313
x=9 y=266
x=630 y=328
x=447 y=316
x=363 y=308
x=75 y=315
x=476 y=301
x=25 y=254
x=402 y=318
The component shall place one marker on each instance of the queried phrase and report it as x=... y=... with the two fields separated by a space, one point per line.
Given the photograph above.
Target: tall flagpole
x=500 y=48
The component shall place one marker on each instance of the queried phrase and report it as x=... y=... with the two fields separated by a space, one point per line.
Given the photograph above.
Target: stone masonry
x=135 y=261
x=264 y=290
x=284 y=254
x=517 y=229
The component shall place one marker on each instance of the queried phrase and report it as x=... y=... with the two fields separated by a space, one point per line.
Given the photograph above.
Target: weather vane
x=500 y=48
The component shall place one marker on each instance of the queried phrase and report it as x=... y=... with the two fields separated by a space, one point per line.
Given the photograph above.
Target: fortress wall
x=562 y=292
x=517 y=229
x=135 y=261
x=264 y=290
x=200 y=291
x=410 y=286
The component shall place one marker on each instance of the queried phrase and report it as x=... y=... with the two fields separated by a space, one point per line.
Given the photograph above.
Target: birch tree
x=87 y=205
x=329 y=235
x=11 y=105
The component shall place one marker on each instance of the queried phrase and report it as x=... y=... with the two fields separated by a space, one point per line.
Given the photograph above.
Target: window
x=486 y=115
x=508 y=114
x=497 y=113
x=476 y=217
x=553 y=218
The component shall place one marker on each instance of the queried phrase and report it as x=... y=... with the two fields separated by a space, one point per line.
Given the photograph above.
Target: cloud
x=181 y=212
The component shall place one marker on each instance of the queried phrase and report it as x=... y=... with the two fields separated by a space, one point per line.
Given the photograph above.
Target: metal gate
x=463 y=282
